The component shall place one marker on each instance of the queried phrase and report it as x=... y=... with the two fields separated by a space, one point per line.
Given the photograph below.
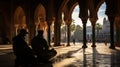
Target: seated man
x=24 y=54
x=41 y=48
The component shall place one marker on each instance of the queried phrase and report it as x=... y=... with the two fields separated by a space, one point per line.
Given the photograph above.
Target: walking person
x=74 y=41
x=106 y=41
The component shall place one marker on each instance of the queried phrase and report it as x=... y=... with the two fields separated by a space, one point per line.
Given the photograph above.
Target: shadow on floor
x=60 y=57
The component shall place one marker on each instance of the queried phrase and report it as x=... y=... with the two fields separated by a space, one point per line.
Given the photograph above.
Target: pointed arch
x=40 y=16
x=99 y=4
x=20 y=17
x=39 y=19
x=19 y=20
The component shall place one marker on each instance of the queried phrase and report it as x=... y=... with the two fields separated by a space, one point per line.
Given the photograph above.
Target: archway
x=102 y=25
x=39 y=19
x=78 y=34
x=19 y=20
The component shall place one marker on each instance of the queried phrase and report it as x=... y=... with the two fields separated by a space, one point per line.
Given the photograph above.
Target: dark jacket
x=20 y=47
x=39 y=44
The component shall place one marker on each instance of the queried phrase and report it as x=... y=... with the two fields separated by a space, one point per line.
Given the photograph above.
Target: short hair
x=40 y=31
x=23 y=31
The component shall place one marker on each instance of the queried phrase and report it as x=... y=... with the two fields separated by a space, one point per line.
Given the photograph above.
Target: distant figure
x=74 y=41
x=41 y=48
x=106 y=41
x=24 y=54
x=52 y=39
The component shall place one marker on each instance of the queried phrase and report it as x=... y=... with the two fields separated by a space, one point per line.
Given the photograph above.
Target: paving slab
x=74 y=56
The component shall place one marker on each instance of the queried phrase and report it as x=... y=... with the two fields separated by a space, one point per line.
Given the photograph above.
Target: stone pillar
x=16 y=28
x=93 y=35
x=117 y=24
x=57 y=33
x=49 y=34
x=68 y=23
x=50 y=17
x=84 y=33
x=83 y=14
x=49 y=22
x=30 y=24
x=93 y=22
x=118 y=36
x=68 y=35
x=111 y=19
x=111 y=13
x=36 y=27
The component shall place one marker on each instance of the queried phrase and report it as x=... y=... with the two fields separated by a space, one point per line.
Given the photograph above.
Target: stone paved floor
x=75 y=56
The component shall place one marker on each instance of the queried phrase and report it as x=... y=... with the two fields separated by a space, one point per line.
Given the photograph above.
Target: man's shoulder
x=16 y=38
x=35 y=38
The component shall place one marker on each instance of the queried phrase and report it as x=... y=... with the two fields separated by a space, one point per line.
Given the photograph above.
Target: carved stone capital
x=50 y=20
x=93 y=21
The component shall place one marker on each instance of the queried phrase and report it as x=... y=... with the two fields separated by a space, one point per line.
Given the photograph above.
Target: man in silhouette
x=74 y=41
x=24 y=54
x=41 y=48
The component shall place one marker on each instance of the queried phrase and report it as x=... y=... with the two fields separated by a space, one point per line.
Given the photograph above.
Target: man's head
x=23 y=32
x=40 y=32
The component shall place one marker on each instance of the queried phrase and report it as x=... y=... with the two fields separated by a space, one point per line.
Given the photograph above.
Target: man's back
x=41 y=48
x=24 y=54
x=20 y=47
x=39 y=44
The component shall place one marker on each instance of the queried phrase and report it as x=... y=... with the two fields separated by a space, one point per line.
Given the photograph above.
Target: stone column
x=49 y=22
x=49 y=34
x=93 y=22
x=16 y=28
x=68 y=23
x=68 y=35
x=36 y=27
x=111 y=13
x=118 y=36
x=83 y=14
x=84 y=21
x=93 y=35
x=117 y=24
x=111 y=19
x=50 y=17
x=30 y=24
x=57 y=33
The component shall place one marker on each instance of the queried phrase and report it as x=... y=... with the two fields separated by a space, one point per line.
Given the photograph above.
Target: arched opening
x=39 y=20
x=19 y=20
x=76 y=29
x=102 y=25
x=63 y=31
x=76 y=26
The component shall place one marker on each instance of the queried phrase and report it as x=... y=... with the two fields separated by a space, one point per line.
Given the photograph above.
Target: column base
x=93 y=46
x=117 y=44
x=56 y=45
x=112 y=47
x=84 y=46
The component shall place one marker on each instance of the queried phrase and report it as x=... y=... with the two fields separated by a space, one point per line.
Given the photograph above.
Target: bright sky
x=101 y=15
